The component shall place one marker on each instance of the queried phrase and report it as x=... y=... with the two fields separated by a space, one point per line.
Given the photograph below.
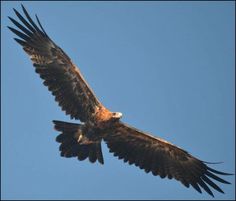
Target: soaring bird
x=83 y=140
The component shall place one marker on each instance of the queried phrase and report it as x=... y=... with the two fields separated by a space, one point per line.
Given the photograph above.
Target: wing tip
x=23 y=8
x=218 y=172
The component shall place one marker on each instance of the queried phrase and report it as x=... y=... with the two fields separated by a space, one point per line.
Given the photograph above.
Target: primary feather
x=76 y=98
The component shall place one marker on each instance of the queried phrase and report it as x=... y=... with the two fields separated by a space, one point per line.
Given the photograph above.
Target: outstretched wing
x=161 y=158
x=60 y=75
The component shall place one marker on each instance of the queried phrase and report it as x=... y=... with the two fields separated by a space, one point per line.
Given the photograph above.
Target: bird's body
x=97 y=123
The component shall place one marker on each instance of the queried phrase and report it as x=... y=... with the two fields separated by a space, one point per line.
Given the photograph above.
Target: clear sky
x=169 y=67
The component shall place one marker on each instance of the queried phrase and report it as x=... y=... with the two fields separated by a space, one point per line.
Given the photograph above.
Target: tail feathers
x=70 y=147
x=66 y=127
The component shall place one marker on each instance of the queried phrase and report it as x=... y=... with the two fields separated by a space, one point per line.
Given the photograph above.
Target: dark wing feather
x=161 y=158
x=60 y=75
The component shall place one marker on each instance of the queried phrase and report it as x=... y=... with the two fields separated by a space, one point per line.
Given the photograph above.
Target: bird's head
x=116 y=115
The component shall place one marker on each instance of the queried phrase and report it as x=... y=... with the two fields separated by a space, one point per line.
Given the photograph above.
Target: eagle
x=97 y=123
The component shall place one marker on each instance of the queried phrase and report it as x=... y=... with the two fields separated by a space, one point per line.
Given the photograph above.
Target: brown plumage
x=75 y=97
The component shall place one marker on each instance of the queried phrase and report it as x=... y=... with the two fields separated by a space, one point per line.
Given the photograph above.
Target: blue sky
x=167 y=66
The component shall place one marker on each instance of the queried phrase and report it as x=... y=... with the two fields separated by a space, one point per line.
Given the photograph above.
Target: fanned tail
x=71 y=146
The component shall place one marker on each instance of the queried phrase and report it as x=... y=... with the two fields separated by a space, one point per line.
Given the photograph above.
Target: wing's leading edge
x=53 y=65
x=161 y=158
